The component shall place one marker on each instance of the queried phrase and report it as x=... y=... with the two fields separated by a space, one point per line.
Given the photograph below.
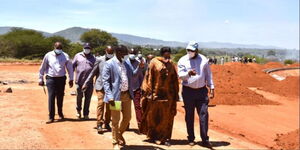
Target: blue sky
x=264 y=22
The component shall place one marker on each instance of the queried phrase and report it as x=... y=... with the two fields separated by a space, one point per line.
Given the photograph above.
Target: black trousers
x=56 y=88
x=87 y=94
x=196 y=98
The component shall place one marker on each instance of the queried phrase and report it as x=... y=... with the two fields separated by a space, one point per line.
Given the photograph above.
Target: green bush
x=28 y=44
x=288 y=61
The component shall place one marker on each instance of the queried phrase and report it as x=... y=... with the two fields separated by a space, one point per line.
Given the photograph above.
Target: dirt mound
x=287 y=141
x=288 y=87
x=295 y=65
x=232 y=81
x=273 y=65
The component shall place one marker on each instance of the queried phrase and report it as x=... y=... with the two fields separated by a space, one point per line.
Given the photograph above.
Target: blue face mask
x=58 y=51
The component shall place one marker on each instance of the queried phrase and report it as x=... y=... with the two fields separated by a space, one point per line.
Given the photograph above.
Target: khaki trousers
x=100 y=109
x=126 y=116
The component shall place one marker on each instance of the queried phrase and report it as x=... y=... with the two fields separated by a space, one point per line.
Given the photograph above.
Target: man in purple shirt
x=83 y=63
x=54 y=65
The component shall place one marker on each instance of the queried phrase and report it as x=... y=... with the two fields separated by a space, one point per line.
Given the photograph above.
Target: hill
x=74 y=34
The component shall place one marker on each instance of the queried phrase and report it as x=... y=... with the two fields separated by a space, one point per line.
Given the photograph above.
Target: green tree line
x=30 y=44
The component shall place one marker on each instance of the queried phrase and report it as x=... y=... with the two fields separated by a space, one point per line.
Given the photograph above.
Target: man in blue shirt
x=196 y=76
x=136 y=66
x=83 y=63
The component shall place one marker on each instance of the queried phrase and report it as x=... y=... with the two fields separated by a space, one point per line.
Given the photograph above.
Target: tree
x=271 y=53
x=98 y=39
x=23 y=43
x=74 y=49
x=65 y=43
x=4 y=48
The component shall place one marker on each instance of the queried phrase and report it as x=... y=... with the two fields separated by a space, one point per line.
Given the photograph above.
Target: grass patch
x=15 y=60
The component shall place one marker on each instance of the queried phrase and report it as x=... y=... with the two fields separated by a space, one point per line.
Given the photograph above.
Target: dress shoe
x=121 y=140
x=86 y=117
x=206 y=144
x=107 y=126
x=50 y=121
x=167 y=143
x=61 y=117
x=100 y=129
x=191 y=143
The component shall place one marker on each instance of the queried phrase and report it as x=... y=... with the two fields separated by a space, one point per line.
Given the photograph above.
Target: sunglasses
x=190 y=50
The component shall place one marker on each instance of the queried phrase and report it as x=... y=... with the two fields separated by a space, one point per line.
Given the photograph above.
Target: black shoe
x=50 y=121
x=206 y=144
x=107 y=126
x=167 y=143
x=192 y=143
x=61 y=117
x=100 y=129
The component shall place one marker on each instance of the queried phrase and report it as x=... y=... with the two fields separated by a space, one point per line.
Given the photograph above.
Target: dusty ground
x=251 y=118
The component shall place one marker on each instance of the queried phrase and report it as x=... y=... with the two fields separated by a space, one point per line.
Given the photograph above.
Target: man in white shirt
x=54 y=65
x=194 y=70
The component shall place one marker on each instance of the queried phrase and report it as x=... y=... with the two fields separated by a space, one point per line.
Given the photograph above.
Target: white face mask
x=86 y=51
x=131 y=56
x=58 y=51
x=125 y=57
x=191 y=54
x=109 y=55
x=140 y=56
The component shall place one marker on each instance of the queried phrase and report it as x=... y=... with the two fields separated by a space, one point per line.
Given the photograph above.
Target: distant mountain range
x=74 y=33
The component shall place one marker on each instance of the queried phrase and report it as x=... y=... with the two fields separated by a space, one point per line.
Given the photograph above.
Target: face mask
x=131 y=56
x=191 y=54
x=109 y=55
x=58 y=51
x=125 y=57
x=122 y=59
x=140 y=56
x=87 y=51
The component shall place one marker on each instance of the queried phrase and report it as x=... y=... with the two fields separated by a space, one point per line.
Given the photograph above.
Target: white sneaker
x=78 y=115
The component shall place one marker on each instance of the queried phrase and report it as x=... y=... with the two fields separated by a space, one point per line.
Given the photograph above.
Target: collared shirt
x=203 y=76
x=97 y=71
x=123 y=73
x=137 y=73
x=56 y=65
x=83 y=64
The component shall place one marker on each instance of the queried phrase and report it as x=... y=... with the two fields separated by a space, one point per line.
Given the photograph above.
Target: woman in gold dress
x=160 y=87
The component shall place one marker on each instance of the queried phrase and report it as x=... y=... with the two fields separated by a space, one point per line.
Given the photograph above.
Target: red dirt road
x=24 y=113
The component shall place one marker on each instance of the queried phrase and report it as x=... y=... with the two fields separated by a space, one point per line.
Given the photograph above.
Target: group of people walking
x=122 y=75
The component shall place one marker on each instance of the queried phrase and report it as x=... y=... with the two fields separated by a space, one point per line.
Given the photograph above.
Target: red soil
x=287 y=141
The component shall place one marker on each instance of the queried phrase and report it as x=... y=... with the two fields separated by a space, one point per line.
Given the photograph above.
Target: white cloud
x=78 y=12
x=82 y=1
x=227 y=21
